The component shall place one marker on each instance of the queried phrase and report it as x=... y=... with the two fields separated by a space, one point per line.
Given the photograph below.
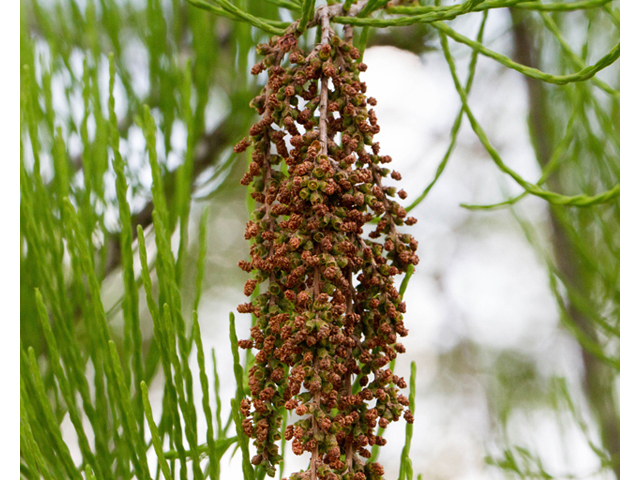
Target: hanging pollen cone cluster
x=329 y=318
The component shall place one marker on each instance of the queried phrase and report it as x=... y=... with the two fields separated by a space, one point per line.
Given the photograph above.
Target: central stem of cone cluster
x=328 y=320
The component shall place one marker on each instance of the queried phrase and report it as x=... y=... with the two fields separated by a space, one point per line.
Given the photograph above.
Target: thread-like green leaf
x=185 y=174
x=156 y=438
x=160 y=329
x=248 y=470
x=157 y=187
x=136 y=444
x=185 y=403
x=214 y=461
x=517 y=4
x=406 y=467
x=548 y=169
x=50 y=424
x=29 y=447
x=237 y=368
x=216 y=390
x=133 y=336
x=551 y=197
x=584 y=74
x=307 y=9
x=65 y=388
x=231 y=11
x=202 y=257
x=458 y=121
x=573 y=57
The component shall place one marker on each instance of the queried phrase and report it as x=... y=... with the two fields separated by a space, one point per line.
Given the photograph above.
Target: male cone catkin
x=329 y=316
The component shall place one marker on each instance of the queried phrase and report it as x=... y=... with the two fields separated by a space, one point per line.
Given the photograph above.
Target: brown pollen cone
x=328 y=316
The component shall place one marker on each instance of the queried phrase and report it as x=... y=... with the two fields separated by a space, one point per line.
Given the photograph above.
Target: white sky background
x=479 y=282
